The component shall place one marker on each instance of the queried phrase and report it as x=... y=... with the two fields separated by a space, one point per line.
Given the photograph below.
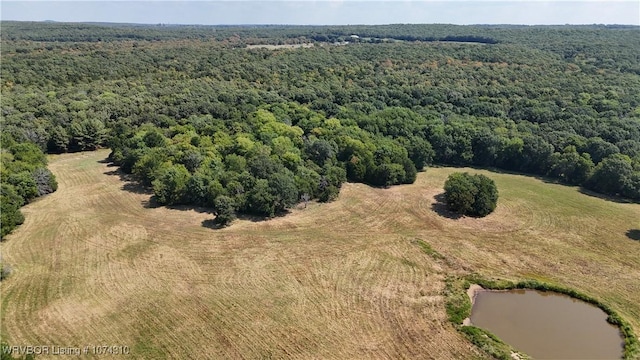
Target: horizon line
x=309 y=25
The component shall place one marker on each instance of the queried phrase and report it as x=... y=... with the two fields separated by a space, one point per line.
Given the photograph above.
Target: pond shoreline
x=472 y=292
x=547 y=324
x=462 y=293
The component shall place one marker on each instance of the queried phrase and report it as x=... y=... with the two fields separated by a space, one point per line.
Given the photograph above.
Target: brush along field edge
x=96 y=264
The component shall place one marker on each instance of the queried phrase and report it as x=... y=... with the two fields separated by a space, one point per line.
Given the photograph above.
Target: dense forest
x=201 y=118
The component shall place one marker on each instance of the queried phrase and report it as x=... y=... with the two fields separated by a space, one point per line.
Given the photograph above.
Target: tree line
x=202 y=120
x=25 y=177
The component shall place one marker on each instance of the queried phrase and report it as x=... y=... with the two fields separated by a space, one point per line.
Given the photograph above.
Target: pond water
x=547 y=325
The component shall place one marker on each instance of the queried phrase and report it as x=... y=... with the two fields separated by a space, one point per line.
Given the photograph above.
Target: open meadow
x=96 y=263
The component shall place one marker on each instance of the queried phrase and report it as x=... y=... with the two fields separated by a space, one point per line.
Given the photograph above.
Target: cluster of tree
x=591 y=47
x=562 y=102
x=23 y=178
x=262 y=166
x=475 y=195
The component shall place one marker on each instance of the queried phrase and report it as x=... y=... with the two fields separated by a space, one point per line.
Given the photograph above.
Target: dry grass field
x=95 y=264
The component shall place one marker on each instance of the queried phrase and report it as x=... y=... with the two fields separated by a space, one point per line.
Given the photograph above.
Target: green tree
x=320 y=151
x=410 y=172
x=631 y=186
x=612 y=175
x=24 y=185
x=262 y=166
x=486 y=147
x=475 y=195
x=58 y=140
x=328 y=192
x=197 y=189
x=260 y=200
x=460 y=193
x=390 y=174
x=149 y=165
x=28 y=153
x=535 y=155
x=169 y=187
x=154 y=138
x=284 y=190
x=335 y=175
x=224 y=209
x=192 y=160
x=419 y=151
x=87 y=134
x=307 y=181
x=235 y=163
x=10 y=202
x=600 y=149
x=214 y=189
x=571 y=167
x=360 y=166
x=486 y=197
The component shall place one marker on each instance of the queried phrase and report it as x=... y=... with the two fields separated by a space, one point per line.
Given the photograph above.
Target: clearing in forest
x=96 y=264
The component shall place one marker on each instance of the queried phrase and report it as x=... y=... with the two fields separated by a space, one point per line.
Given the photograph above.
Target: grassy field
x=95 y=264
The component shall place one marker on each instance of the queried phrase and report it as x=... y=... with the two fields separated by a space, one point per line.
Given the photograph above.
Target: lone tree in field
x=474 y=195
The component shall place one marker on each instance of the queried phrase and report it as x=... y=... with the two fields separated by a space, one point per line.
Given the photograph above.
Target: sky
x=328 y=12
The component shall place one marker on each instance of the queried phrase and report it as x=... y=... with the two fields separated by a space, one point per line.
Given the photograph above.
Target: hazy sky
x=328 y=12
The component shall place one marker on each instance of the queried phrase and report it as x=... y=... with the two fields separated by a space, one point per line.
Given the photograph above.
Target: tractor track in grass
x=94 y=263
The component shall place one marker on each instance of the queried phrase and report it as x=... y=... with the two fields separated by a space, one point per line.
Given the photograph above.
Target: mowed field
x=95 y=264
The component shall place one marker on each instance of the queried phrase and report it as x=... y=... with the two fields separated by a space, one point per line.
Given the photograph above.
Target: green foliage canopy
x=475 y=195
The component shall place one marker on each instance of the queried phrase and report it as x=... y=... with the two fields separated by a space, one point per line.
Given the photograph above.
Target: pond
x=547 y=325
